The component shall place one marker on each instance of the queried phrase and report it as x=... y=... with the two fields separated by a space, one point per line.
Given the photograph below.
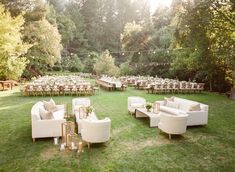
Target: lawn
x=133 y=145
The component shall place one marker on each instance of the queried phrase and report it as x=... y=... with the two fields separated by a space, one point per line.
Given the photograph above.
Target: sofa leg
x=33 y=139
x=169 y=136
x=88 y=144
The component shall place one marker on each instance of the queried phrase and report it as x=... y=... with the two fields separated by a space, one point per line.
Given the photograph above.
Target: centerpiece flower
x=89 y=109
x=148 y=106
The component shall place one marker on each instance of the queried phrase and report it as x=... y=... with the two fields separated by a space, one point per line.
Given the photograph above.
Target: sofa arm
x=204 y=107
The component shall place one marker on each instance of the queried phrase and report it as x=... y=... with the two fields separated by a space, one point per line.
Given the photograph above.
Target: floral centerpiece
x=148 y=106
x=89 y=109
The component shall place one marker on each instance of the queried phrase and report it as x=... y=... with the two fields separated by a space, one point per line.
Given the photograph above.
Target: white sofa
x=134 y=103
x=199 y=117
x=46 y=128
x=96 y=131
x=173 y=124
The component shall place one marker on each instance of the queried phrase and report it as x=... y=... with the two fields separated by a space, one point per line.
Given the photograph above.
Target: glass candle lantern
x=156 y=107
x=68 y=129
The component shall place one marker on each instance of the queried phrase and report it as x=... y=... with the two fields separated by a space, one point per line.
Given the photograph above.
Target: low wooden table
x=154 y=117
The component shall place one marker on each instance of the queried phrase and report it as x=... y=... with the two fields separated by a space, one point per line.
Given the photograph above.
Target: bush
x=105 y=65
x=74 y=69
x=57 y=68
x=125 y=68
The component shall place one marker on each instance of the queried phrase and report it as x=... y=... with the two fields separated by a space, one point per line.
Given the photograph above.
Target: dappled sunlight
x=49 y=153
x=9 y=92
x=141 y=144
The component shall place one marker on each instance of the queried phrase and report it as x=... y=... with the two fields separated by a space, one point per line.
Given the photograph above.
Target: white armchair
x=135 y=102
x=95 y=131
x=80 y=102
x=173 y=124
x=46 y=128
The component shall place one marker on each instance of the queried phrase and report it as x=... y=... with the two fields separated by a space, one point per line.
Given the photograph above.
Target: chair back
x=174 y=124
x=96 y=131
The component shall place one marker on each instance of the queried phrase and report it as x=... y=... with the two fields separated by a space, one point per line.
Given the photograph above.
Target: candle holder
x=68 y=135
x=80 y=147
x=156 y=107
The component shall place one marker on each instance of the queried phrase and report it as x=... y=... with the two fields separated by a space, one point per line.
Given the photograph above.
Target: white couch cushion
x=172 y=104
x=58 y=114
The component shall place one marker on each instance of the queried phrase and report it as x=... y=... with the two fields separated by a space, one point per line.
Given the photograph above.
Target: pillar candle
x=80 y=146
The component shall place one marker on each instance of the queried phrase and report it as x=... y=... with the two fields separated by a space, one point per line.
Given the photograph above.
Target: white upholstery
x=96 y=131
x=80 y=101
x=46 y=128
x=135 y=102
x=194 y=117
x=173 y=124
x=79 y=121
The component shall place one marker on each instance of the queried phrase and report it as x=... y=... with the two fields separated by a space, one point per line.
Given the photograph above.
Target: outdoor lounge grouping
x=47 y=122
x=174 y=114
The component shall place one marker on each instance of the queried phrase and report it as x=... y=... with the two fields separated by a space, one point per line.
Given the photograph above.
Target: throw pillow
x=172 y=104
x=168 y=99
x=44 y=114
x=50 y=106
x=195 y=107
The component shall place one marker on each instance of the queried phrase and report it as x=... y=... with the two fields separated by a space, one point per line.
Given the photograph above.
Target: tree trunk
x=211 y=85
x=232 y=95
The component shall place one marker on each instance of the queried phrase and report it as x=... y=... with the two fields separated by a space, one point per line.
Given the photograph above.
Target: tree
x=125 y=68
x=12 y=48
x=105 y=65
x=89 y=62
x=207 y=28
x=46 y=44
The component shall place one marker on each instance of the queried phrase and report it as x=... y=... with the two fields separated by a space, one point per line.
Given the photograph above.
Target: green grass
x=133 y=145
